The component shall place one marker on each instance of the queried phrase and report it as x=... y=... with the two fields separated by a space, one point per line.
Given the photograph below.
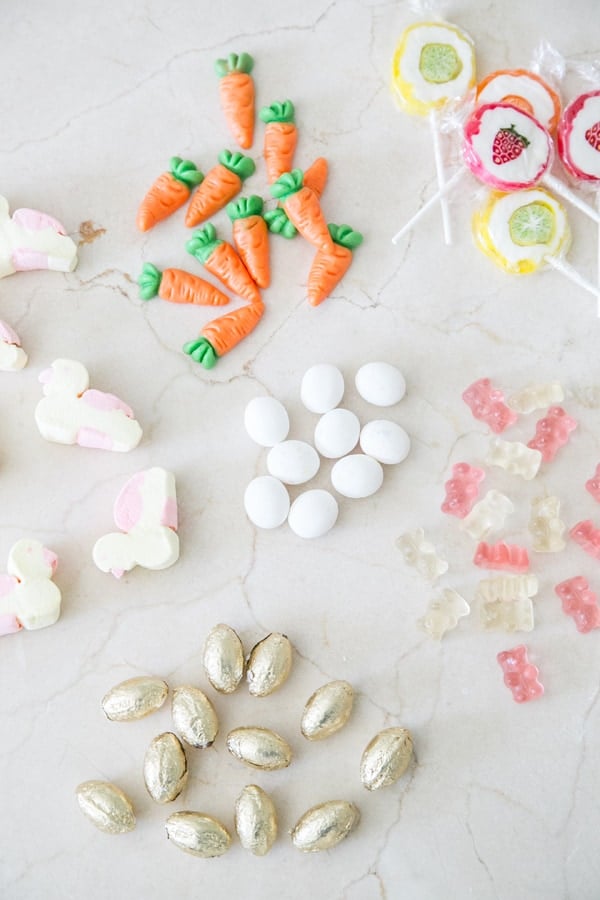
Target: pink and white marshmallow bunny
x=28 y=596
x=72 y=413
x=146 y=511
x=33 y=240
x=12 y=355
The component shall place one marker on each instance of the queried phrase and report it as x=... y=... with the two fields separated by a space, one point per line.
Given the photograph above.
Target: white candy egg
x=293 y=462
x=266 y=421
x=380 y=383
x=337 y=433
x=357 y=476
x=267 y=502
x=313 y=514
x=322 y=388
x=385 y=441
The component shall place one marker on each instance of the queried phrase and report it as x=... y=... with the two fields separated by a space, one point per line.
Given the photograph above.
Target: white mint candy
x=267 y=502
x=293 y=462
x=313 y=514
x=266 y=421
x=385 y=441
x=322 y=388
x=380 y=383
x=357 y=476
x=337 y=433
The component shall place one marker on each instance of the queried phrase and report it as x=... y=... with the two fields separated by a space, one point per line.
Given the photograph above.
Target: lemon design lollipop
x=434 y=63
x=524 y=231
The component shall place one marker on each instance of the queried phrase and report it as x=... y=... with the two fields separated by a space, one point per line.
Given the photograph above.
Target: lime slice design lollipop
x=434 y=63
x=531 y=224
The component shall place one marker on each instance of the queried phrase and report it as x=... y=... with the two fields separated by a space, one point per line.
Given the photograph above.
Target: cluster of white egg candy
x=337 y=433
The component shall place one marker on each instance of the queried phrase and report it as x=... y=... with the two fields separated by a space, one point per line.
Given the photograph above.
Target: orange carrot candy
x=236 y=91
x=168 y=193
x=302 y=207
x=251 y=237
x=330 y=265
x=178 y=286
x=222 y=334
x=220 y=185
x=315 y=177
x=281 y=137
x=222 y=261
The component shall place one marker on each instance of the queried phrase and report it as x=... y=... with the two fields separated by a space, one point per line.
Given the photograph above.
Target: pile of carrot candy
x=242 y=267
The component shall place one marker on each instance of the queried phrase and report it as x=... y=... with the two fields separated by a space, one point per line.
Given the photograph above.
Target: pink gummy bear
x=593 y=484
x=552 y=432
x=462 y=490
x=509 y=557
x=587 y=536
x=487 y=404
x=520 y=675
x=579 y=602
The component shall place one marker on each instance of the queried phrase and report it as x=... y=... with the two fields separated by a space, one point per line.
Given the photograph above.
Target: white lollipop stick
x=448 y=186
x=598 y=273
x=567 y=194
x=572 y=274
x=441 y=174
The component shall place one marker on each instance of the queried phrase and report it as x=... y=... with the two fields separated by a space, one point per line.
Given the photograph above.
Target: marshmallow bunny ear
x=146 y=510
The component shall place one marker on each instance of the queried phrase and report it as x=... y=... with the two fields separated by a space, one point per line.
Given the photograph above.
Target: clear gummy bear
x=487 y=515
x=421 y=555
x=516 y=458
x=545 y=525
x=444 y=613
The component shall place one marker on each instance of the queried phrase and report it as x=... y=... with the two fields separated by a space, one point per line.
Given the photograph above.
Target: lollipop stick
x=441 y=174
x=448 y=186
x=567 y=194
x=572 y=274
x=598 y=251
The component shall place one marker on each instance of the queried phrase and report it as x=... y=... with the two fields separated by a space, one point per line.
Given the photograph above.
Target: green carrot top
x=278 y=223
x=185 y=171
x=203 y=243
x=234 y=63
x=245 y=207
x=278 y=112
x=240 y=165
x=287 y=184
x=345 y=236
x=149 y=281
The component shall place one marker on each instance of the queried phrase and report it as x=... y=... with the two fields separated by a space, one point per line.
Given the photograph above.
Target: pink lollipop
x=578 y=140
x=507 y=149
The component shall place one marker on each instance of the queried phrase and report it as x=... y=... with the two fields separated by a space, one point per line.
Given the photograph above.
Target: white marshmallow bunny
x=73 y=413
x=33 y=240
x=146 y=510
x=28 y=596
x=12 y=355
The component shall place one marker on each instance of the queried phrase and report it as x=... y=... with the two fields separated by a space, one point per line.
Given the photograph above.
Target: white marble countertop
x=503 y=799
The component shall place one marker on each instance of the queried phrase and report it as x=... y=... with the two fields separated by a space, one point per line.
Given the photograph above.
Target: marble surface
x=503 y=799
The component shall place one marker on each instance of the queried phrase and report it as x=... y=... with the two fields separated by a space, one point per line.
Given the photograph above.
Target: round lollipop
x=434 y=63
x=578 y=141
x=523 y=89
x=521 y=232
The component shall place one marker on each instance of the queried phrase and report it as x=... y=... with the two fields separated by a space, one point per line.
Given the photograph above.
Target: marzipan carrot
x=315 y=177
x=178 y=286
x=281 y=137
x=236 y=91
x=220 y=185
x=170 y=191
x=302 y=207
x=222 y=261
x=330 y=265
x=251 y=237
x=222 y=334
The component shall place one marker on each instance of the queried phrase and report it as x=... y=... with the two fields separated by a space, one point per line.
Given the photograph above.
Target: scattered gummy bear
x=536 y=396
x=487 y=515
x=579 y=602
x=443 y=613
x=545 y=525
x=520 y=675
x=509 y=557
x=507 y=587
x=514 y=457
x=593 y=484
x=587 y=536
x=507 y=615
x=462 y=489
x=487 y=404
x=552 y=432
x=421 y=555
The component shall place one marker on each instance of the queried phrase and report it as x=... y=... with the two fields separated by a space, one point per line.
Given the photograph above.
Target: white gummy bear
x=536 y=396
x=33 y=240
x=507 y=615
x=146 y=511
x=487 y=515
x=443 y=613
x=421 y=555
x=507 y=587
x=516 y=458
x=12 y=356
x=545 y=525
x=28 y=596
x=72 y=413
